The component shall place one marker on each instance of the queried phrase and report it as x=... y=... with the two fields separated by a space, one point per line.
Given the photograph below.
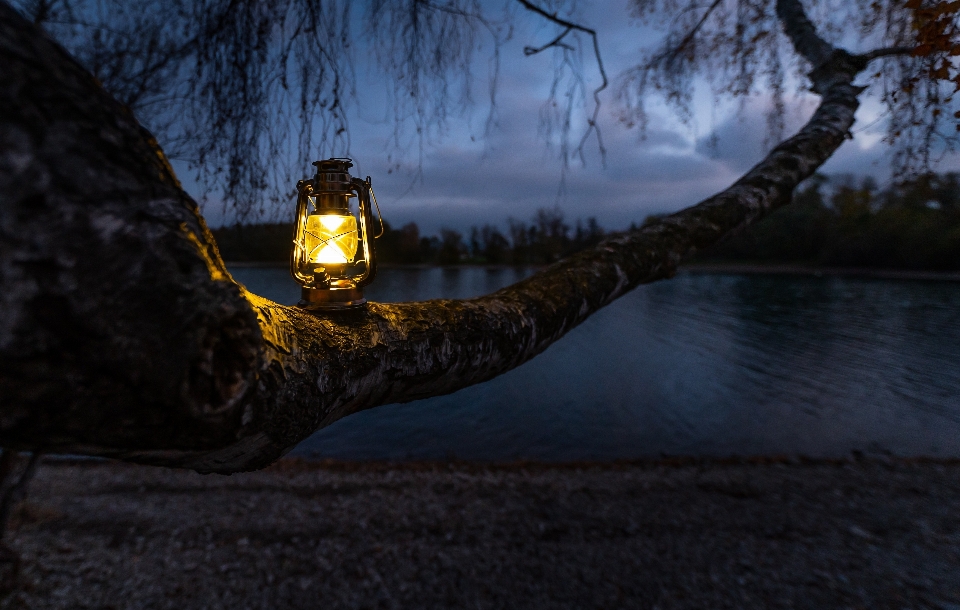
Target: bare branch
x=878 y=53
x=670 y=54
x=553 y=43
x=697 y=43
x=592 y=126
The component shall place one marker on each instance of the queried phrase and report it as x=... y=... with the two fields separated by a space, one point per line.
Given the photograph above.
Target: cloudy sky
x=469 y=179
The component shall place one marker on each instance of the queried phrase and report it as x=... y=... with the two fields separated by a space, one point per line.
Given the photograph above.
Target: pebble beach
x=672 y=533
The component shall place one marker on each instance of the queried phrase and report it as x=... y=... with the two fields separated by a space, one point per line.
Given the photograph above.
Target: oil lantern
x=333 y=254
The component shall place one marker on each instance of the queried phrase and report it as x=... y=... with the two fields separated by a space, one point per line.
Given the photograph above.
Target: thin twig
x=528 y=51
x=671 y=54
x=592 y=121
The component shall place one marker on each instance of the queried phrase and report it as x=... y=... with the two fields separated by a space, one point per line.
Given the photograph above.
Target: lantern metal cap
x=336 y=164
x=333 y=176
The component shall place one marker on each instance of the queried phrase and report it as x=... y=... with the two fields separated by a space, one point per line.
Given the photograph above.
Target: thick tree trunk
x=122 y=333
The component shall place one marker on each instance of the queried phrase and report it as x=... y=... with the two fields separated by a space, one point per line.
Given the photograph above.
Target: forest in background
x=840 y=221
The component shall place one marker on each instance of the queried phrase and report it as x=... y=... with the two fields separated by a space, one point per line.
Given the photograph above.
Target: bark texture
x=122 y=333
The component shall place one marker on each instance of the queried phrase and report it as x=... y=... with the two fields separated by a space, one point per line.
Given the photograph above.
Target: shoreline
x=307 y=463
x=812 y=270
x=734 y=268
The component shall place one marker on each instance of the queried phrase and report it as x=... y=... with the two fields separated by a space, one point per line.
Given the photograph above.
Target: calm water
x=703 y=364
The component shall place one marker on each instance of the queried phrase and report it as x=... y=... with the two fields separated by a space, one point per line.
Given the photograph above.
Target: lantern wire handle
x=379 y=215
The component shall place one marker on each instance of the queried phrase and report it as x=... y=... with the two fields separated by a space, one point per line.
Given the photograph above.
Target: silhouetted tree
x=261 y=242
x=409 y=244
x=452 y=248
x=519 y=241
x=495 y=248
x=584 y=237
x=904 y=226
x=552 y=239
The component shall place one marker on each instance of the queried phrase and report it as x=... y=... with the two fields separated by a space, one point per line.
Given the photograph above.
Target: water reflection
x=701 y=364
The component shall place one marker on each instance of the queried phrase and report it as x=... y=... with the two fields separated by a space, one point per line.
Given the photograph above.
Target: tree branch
x=123 y=335
x=528 y=50
x=878 y=53
x=670 y=54
x=592 y=126
x=802 y=33
x=831 y=66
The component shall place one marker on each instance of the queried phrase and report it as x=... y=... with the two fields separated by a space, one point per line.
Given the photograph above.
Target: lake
x=706 y=364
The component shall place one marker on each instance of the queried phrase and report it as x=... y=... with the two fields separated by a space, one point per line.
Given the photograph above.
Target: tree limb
x=887 y=52
x=122 y=333
x=831 y=66
x=803 y=34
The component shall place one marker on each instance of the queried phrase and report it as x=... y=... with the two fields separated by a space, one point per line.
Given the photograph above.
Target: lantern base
x=331 y=299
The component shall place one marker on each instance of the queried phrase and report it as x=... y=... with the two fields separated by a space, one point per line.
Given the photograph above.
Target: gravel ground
x=747 y=534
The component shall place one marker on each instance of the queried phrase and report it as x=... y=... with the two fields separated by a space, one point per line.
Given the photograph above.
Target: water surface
x=702 y=364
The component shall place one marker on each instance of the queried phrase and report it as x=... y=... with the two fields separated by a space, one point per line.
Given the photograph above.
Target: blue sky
x=469 y=179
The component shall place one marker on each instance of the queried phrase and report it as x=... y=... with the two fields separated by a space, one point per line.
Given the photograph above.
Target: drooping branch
x=672 y=52
x=122 y=334
x=570 y=26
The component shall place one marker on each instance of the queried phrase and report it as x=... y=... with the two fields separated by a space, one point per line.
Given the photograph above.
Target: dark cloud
x=461 y=187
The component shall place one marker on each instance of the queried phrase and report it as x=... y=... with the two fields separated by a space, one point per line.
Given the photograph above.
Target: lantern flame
x=331 y=239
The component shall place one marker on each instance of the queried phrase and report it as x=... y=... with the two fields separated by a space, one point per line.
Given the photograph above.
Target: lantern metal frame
x=331 y=189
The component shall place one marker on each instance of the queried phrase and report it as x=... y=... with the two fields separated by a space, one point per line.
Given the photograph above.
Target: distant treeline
x=845 y=222
x=832 y=222
x=546 y=239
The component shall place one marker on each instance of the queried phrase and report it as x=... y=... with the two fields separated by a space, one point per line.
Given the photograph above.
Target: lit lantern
x=333 y=256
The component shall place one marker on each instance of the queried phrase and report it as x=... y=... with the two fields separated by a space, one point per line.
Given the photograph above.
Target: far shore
x=785 y=269
x=736 y=268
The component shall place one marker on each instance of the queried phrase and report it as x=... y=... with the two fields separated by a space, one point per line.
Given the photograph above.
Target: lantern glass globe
x=331 y=239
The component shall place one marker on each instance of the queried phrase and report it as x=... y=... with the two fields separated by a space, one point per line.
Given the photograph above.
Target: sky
x=468 y=178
